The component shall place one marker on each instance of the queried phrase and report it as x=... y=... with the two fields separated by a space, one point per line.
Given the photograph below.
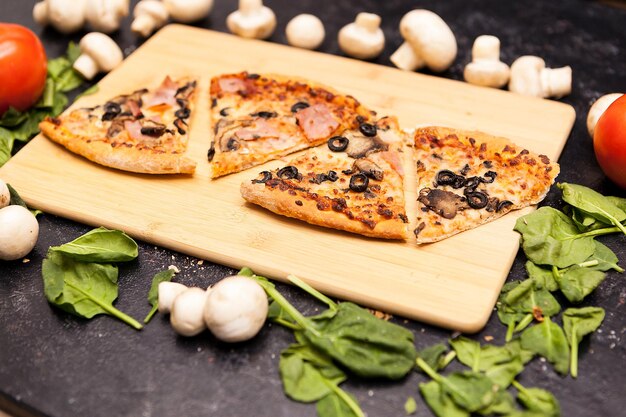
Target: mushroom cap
x=102 y=49
x=186 y=315
x=598 y=108
x=18 y=232
x=236 y=309
x=5 y=195
x=252 y=20
x=106 y=15
x=487 y=73
x=431 y=38
x=167 y=293
x=187 y=11
x=154 y=8
x=525 y=76
x=305 y=31
x=66 y=16
x=362 y=38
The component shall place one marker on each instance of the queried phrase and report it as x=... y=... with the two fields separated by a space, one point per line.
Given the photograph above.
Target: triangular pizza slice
x=465 y=179
x=258 y=118
x=353 y=183
x=146 y=131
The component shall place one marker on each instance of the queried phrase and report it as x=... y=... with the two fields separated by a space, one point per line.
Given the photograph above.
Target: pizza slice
x=354 y=183
x=258 y=118
x=465 y=179
x=145 y=131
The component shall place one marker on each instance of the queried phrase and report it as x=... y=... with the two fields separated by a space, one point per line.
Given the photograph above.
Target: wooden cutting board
x=453 y=283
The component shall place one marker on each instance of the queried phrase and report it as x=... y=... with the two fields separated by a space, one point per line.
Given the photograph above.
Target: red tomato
x=609 y=142
x=22 y=67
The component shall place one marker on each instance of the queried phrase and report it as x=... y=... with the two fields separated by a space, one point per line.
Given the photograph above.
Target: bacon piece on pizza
x=146 y=131
x=466 y=179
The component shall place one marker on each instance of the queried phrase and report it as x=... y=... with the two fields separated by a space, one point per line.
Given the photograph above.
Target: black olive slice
x=504 y=204
x=477 y=199
x=154 y=129
x=265 y=114
x=465 y=170
x=287 y=173
x=471 y=183
x=299 y=106
x=338 y=143
x=332 y=176
x=459 y=182
x=445 y=177
x=211 y=152
x=489 y=177
x=359 y=182
x=224 y=111
x=253 y=76
x=180 y=126
x=367 y=129
x=111 y=107
x=183 y=113
x=266 y=177
x=232 y=144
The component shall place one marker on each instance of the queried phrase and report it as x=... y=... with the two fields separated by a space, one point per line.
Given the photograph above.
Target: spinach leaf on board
x=578 y=322
x=439 y=402
x=100 y=245
x=549 y=237
x=594 y=204
x=153 y=294
x=548 y=340
x=83 y=289
x=576 y=282
x=538 y=400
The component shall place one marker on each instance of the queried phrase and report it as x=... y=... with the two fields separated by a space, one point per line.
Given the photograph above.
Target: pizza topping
x=444 y=203
x=115 y=129
x=288 y=172
x=299 y=106
x=338 y=143
x=503 y=204
x=229 y=144
x=368 y=129
x=111 y=110
x=134 y=130
x=393 y=159
x=489 y=177
x=316 y=121
x=180 y=126
x=447 y=177
x=262 y=129
x=360 y=146
x=477 y=199
x=152 y=128
x=165 y=94
x=265 y=114
x=320 y=178
x=232 y=85
x=359 y=183
x=266 y=177
x=369 y=168
x=224 y=111
x=211 y=152
x=183 y=113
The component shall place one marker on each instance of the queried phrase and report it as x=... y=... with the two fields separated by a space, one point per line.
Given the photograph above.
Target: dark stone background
x=57 y=365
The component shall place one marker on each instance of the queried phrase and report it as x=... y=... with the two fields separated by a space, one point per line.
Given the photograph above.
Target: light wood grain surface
x=453 y=283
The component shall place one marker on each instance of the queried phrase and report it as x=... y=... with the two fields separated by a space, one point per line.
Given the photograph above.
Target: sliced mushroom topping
x=360 y=146
x=116 y=127
x=444 y=203
x=369 y=168
x=152 y=128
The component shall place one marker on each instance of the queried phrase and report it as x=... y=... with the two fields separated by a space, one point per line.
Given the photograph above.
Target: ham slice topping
x=394 y=160
x=232 y=85
x=316 y=121
x=134 y=131
x=165 y=94
x=260 y=129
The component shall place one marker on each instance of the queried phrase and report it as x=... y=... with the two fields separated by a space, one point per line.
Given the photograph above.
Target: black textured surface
x=58 y=365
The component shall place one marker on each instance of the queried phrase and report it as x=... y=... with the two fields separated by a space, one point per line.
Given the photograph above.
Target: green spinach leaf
x=339 y=404
x=549 y=237
x=83 y=289
x=434 y=355
x=538 y=400
x=606 y=259
x=410 y=406
x=153 y=294
x=100 y=245
x=577 y=282
x=578 y=322
x=594 y=204
x=548 y=340
x=502 y=405
x=543 y=277
x=439 y=402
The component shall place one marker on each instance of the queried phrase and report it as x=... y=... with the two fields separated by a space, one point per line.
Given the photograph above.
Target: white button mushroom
x=486 y=69
x=18 y=232
x=106 y=15
x=363 y=38
x=236 y=309
x=5 y=194
x=252 y=20
x=305 y=31
x=187 y=11
x=167 y=293
x=66 y=16
x=429 y=41
x=598 y=108
x=99 y=53
x=530 y=77
x=149 y=16
x=186 y=314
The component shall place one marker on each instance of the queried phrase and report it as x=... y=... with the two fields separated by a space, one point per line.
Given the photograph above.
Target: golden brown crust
x=114 y=137
x=127 y=159
x=237 y=98
x=485 y=167
x=322 y=186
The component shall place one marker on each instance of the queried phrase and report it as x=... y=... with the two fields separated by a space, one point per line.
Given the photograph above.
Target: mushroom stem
x=556 y=82
x=368 y=21
x=406 y=59
x=143 y=24
x=86 y=66
x=248 y=7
